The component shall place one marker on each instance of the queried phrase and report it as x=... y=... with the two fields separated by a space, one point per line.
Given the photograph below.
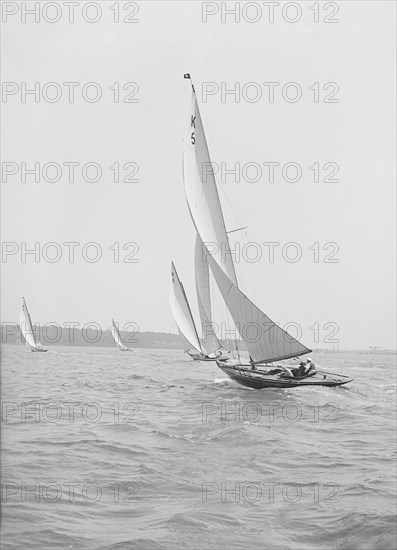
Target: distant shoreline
x=56 y=336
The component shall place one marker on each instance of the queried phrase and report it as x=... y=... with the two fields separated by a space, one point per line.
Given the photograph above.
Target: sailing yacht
x=25 y=323
x=185 y=322
x=266 y=342
x=117 y=338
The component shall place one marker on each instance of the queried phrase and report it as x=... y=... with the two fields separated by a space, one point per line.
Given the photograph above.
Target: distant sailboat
x=184 y=320
x=266 y=342
x=27 y=329
x=117 y=338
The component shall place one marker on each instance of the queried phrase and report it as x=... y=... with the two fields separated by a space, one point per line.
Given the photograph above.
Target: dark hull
x=259 y=380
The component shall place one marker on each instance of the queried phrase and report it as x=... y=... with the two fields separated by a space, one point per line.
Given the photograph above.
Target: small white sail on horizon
x=26 y=326
x=117 y=337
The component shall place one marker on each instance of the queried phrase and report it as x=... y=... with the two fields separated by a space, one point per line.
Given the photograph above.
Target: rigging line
x=215 y=148
x=240 y=273
x=254 y=285
x=274 y=292
x=225 y=197
x=234 y=230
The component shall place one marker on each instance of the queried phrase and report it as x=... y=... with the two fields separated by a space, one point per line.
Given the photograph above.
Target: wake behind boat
x=27 y=329
x=266 y=341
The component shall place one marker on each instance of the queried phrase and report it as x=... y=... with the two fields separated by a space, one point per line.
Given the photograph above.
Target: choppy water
x=159 y=452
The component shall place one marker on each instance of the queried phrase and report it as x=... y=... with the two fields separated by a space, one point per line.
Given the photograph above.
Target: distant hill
x=52 y=335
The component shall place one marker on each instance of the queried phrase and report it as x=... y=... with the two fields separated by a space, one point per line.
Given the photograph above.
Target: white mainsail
x=201 y=268
x=117 y=337
x=25 y=323
x=202 y=193
x=182 y=314
x=265 y=340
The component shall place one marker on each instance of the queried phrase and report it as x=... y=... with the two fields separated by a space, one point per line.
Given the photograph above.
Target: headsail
x=26 y=326
x=202 y=193
x=116 y=335
x=265 y=340
x=182 y=314
x=210 y=340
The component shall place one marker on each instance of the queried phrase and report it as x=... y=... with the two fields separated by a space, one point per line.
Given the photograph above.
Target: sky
x=138 y=227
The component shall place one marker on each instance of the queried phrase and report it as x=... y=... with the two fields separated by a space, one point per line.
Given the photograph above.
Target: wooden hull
x=38 y=350
x=259 y=379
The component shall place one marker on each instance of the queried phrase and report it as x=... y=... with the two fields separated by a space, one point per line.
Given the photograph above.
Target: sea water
x=151 y=450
